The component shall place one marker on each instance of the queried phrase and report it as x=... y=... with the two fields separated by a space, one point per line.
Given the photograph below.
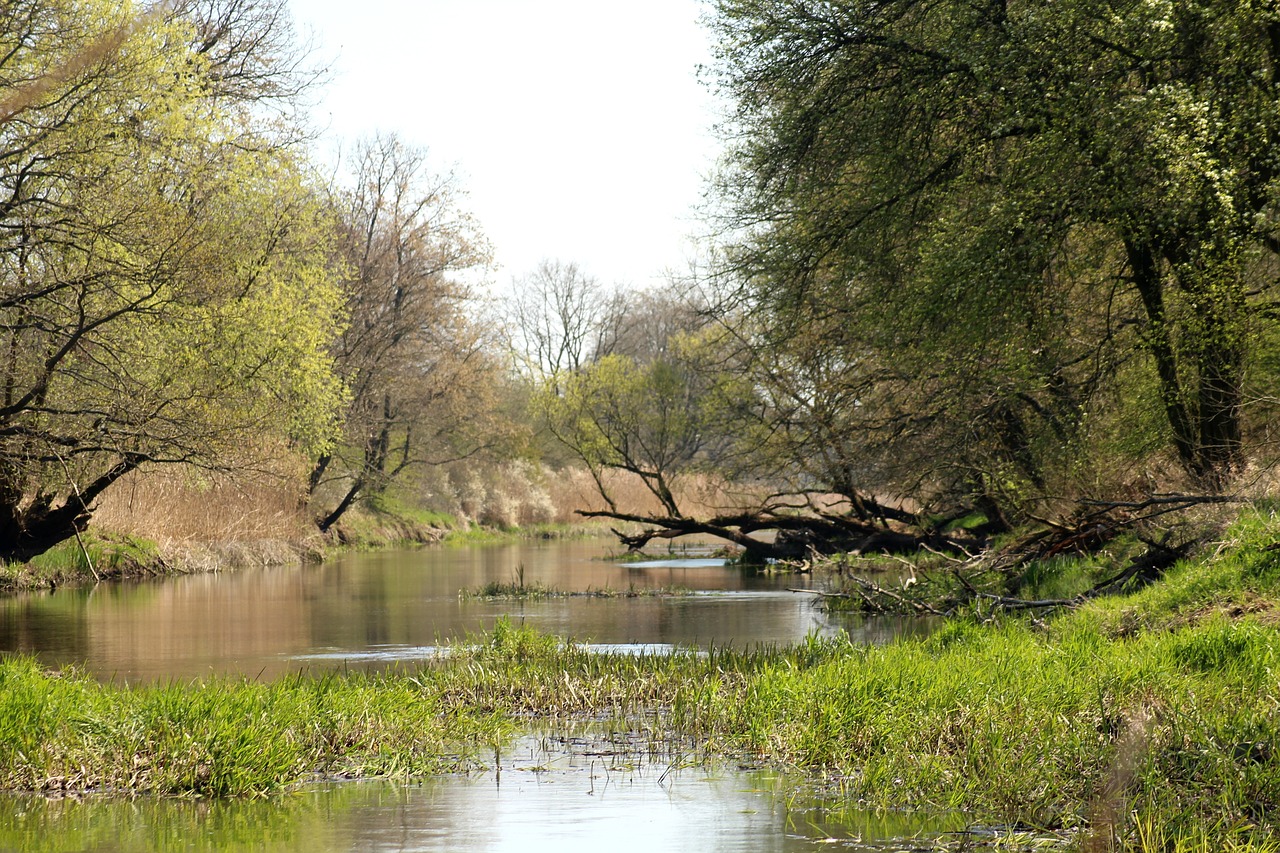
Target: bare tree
x=556 y=320
x=413 y=360
x=252 y=51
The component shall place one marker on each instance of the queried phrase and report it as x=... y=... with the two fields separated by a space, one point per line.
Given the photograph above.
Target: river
x=395 y=608
x=387 y=608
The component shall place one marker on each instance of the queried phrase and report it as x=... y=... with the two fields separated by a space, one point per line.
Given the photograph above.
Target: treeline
x=976 y=261
x=178 y=285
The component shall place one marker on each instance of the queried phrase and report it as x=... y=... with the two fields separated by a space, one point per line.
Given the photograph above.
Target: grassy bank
x=1153 y=718
x=89 y=558
x=99 y=555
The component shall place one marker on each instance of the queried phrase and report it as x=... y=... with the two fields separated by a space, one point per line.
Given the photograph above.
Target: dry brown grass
x=172 y=506
x=175 y=507
x=520 y=493
x=701 y=495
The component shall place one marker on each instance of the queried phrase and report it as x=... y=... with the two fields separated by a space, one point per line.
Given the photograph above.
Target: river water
x=392 y=609
x=397 y=607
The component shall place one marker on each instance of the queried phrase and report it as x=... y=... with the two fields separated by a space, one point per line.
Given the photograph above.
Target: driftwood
x=805 y=532
x=876 y=598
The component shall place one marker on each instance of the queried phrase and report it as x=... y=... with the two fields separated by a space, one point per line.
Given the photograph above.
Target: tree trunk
x=1220 y=395
x=343 y=505
x=28 y=528
x=1144 y=265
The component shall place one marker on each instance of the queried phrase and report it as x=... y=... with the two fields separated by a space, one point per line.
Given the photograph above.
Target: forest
x=986 y=331
x=979 y=265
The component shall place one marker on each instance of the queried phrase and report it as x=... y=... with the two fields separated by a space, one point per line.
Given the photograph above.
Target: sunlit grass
x=1152 y=720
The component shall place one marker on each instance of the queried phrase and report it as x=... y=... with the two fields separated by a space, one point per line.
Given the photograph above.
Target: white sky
x=578 y=128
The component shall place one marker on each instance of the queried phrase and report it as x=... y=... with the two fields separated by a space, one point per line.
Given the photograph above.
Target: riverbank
x=1150 y=718
x=104 y=555
x=98 y=556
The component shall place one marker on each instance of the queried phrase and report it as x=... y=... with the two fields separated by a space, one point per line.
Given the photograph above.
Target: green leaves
x=658 y=419
x=1020 y=188
x=165 y=284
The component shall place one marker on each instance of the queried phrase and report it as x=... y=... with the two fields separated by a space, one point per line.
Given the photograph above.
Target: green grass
x=385 y=523
x=95 y=555
x=388 y=505
x=62 y=731
x=1151 y=719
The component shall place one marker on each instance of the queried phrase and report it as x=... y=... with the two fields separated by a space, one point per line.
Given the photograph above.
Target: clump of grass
x=513 y=590
x=61 y=731
x=536 y=590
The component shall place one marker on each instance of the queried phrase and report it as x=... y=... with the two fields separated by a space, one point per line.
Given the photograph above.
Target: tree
x=164 y=296
x=936 y=167
x=559 y=318
x=417 y=369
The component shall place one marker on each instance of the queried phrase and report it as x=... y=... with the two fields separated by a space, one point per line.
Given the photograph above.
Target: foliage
x=423 y=389
x=164 y=288
x=962 y=225
x=658 y=419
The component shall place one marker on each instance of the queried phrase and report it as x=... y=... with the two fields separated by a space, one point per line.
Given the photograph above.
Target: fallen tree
x=796 y=527
x=995 y=579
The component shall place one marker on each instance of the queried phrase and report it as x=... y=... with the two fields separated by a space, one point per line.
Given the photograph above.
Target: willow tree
x=164 y=285
x=1015 y=203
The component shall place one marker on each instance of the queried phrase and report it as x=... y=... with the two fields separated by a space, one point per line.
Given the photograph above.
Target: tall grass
x=1146 y=722
x=61 y=731
x=522 y=494
x=171 y=505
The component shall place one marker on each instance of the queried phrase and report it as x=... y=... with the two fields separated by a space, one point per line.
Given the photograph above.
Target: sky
x=579 y=128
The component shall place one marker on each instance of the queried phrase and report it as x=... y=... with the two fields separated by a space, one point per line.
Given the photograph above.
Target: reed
x=178 y=506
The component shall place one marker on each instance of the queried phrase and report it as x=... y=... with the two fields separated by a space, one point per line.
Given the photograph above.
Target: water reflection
x=375 y=609
x=571 y=808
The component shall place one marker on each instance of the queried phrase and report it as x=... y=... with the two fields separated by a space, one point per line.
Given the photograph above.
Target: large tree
x=1012 y=205
x=420 y=377
x=164 y=294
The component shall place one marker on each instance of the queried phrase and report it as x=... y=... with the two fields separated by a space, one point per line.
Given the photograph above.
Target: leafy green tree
x=658 y=418
x=165 y=294
x=1008 y=203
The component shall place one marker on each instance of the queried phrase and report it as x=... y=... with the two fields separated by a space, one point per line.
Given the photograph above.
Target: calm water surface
x=391 y=609
x=693 y=812
x=540 y=797
x=398 y=607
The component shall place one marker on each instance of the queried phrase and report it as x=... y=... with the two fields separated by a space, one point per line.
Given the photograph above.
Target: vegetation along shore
x=993 y=301
x=1148 y=718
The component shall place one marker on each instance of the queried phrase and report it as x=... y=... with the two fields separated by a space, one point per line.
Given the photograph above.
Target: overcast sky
x=579 y=128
